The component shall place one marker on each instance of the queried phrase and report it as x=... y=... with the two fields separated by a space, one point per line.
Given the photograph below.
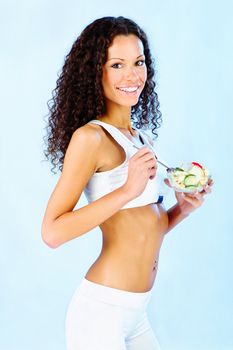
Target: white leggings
x=105 y=318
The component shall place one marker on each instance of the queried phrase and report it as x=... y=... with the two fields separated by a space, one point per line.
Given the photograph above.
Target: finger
x=194 y=196
x=152 y=172
x=196 y=202
x=142 y=151
x=153 y=169
x=206 y=189
x=151 y=162
x=210 y=182
x=152 y=175
x=200 y=196
x=166 y=181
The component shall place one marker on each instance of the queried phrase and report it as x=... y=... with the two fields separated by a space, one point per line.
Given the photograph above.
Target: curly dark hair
x=78 y=96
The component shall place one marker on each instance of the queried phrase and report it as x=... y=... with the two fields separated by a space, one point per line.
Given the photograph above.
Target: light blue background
x=191 y=306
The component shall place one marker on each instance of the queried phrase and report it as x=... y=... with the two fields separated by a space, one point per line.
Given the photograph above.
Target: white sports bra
x=102 y=183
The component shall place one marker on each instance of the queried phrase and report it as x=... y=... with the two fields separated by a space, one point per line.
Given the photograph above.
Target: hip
x=101 y=317
x=123 y=274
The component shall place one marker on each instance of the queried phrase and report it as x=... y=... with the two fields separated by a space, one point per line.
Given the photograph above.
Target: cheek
x=143 y=74
x=114 y=77
x=110 y=81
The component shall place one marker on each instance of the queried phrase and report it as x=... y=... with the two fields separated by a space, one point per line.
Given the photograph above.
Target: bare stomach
x=132 y=239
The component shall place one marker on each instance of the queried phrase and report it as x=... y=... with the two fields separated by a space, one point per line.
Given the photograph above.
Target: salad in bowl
x=188 y=178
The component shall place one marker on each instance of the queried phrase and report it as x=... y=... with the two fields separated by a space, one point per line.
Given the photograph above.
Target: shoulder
x=82 y=154
x=93 y=134
x=86 y=145
x=87 y=133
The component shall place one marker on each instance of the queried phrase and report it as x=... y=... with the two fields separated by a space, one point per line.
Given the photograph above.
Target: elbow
x=49 y=242
x=49 y=239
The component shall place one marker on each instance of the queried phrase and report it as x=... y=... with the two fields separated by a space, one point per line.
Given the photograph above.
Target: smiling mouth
x=129 y=91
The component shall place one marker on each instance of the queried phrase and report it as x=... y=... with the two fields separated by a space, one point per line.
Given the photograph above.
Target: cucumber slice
x=191 y=187
x=191 y=180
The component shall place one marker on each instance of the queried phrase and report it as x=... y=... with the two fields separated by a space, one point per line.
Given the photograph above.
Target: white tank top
x=104 y=182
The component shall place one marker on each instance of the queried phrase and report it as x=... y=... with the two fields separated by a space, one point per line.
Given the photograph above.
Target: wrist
x=180 y=210
x=175 y=216
x=125 y=193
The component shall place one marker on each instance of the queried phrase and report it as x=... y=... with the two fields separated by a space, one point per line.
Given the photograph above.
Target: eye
x=141 y=62
x=119 y=65
x=116 y=64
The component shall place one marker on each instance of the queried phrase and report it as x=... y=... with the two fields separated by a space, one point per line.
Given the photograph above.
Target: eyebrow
x=122 y=59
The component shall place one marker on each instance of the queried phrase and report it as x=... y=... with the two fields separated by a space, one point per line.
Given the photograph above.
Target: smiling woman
x=104 y=97
x=125 y=72
x=100 y=55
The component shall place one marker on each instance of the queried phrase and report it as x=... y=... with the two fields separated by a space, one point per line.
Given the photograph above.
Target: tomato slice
x=197 y=164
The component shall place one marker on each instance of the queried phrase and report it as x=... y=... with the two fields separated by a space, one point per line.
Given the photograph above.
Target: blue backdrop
x=191 y=306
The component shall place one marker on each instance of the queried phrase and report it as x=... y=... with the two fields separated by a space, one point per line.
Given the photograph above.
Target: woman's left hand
x=188 y=202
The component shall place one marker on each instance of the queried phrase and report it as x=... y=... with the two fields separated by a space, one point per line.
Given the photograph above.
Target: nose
x=131 y=74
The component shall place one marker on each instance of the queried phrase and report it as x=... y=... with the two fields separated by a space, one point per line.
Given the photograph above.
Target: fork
x=169 y=169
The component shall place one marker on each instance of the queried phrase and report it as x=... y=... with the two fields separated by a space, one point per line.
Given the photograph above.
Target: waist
x=114 y=296
x=133 y=271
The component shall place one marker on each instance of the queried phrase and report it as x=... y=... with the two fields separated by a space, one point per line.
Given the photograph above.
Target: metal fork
x=169 y=169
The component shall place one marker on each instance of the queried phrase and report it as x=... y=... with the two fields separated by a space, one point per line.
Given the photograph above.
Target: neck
x=118 y=116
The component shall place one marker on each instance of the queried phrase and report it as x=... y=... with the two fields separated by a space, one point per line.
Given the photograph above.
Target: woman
x=104 y=98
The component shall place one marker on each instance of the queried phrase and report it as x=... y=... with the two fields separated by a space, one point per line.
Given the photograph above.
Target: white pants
x=105 y=318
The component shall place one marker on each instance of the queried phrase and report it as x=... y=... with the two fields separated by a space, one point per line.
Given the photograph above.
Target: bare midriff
x=132 y=239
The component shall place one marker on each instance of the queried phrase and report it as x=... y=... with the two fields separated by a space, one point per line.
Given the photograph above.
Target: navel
x=155 y=265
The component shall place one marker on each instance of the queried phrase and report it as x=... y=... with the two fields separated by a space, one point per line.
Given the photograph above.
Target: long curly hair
x=78 y=96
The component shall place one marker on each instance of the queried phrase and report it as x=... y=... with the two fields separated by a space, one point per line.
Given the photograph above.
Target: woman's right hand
x=142 y=166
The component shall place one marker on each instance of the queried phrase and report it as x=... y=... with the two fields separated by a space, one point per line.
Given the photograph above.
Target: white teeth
x=130 y=89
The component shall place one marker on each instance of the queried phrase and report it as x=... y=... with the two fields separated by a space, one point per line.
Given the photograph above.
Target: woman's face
x=125 y=72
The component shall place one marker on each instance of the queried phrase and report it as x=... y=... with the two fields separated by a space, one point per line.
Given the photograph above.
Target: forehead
x=125 y=46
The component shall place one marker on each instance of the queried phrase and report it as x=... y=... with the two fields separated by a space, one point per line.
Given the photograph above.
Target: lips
x=128 y=88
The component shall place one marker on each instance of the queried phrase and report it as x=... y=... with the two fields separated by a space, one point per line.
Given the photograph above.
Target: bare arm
x=72 y=224
x=60 y=223
x=186 y=204
x=175 y=216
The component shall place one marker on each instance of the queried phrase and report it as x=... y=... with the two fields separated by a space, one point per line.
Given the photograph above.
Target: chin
x=128 y=103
